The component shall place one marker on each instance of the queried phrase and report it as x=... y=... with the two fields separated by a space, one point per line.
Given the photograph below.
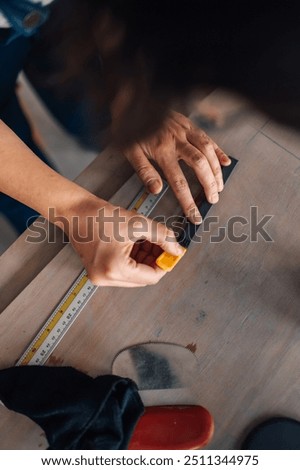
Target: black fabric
x=75 y=410
x=274 y=434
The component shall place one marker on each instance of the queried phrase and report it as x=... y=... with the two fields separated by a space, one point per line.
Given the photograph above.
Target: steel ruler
x=77 y=297
x=82 y=289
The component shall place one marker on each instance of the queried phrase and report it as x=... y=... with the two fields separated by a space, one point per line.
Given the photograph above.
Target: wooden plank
x=23 y=261
x=234 y=304
x=284 y=136
x=221 y=109
x=56 y=278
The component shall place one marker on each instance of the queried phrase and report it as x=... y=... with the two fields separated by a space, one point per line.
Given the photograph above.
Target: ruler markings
x=82 y=289
x=76 y=298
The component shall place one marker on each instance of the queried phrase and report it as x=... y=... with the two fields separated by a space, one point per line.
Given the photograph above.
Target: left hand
x=178 y=140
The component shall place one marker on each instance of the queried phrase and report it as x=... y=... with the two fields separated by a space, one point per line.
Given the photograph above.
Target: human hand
x=178 y=140
x=108 y=240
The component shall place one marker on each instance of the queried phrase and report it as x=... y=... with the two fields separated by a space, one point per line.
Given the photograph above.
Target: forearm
x=24 y=177
x=108 y=260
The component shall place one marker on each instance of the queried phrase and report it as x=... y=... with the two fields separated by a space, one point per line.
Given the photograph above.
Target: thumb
x=164 y=237
x=145 y=170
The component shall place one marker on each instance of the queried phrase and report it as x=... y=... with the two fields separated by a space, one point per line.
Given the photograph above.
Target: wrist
x=69 y=202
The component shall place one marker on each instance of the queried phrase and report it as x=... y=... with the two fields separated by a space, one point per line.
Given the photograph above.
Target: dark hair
x=159 y=50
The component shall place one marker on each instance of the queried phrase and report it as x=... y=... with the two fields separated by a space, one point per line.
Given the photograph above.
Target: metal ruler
x=76 y=298
x=82 y=290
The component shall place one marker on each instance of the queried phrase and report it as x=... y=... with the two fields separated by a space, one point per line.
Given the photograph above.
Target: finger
x=116 y=283
x=182 y=120
x=134 y=250
x=121 y=284
x=139 y=272
x=140 y=256
x=206 y=146
x=199 y=162
x=164 y=237
x=222 y=156
x=147 y=246
x=127 y=276
x=156 y=251
x=138 y=250
x=148 y=250
x=145 y=170
x=180 y=187
x=149 y=260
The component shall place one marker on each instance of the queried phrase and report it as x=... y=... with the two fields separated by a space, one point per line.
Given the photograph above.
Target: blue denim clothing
x=24 y=17
x=12 y=58
x=75 y=115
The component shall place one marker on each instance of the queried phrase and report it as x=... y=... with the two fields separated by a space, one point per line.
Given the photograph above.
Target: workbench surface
x=235 y=304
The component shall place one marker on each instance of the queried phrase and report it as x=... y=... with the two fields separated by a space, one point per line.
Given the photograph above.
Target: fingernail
x=154 y=186
x=195 y=216
x=197 y=219
x=214 y=198
x=226 y=160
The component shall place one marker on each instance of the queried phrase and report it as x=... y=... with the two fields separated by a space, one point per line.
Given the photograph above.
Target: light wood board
x=235 y=304
x=23 y=261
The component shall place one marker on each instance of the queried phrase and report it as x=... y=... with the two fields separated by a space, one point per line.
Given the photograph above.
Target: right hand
x=105 y=238
x=179 y=139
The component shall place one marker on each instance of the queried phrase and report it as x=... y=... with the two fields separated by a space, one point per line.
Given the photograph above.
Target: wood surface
x=236 y=305
x=23 y=261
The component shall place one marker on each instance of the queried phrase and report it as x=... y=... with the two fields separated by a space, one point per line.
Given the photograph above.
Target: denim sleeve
x=24 y=17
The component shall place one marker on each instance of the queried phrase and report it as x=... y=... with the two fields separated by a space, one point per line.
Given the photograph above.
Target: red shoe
x=177 y=427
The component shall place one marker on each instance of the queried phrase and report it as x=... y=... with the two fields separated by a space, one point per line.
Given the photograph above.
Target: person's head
x=143 y=54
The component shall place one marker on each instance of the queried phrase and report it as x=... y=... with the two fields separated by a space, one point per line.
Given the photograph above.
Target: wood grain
x=235 y=304
x=23 y=261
